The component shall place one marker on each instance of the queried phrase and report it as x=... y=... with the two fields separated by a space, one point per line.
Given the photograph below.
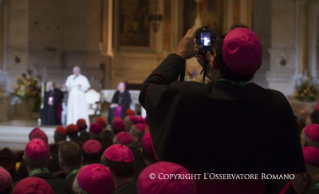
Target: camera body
x=205 y=38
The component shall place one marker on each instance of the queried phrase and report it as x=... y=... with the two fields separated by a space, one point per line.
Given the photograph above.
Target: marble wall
x=52 y=37
x=293 y=52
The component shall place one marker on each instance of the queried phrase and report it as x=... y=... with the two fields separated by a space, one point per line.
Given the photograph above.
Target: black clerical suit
x=122 y=99
x=84 y=136
x=139 y=162
x=70 y=178
x=128 y=188
x=50 y=113
x=220 y=127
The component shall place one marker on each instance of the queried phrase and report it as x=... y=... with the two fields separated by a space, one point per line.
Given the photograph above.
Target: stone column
x=4 y=100
x=303 y=67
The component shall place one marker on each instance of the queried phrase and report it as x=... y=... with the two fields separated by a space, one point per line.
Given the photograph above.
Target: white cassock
x=77 y=106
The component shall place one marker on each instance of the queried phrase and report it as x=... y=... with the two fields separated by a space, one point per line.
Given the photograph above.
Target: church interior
x=115 y=41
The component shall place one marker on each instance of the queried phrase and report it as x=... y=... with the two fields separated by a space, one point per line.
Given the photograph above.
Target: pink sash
x=118 y=111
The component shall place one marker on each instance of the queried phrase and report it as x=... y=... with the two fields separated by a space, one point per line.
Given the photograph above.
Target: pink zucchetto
x=33 y=185
x=141 y=127
x=124 y=138
x=37 y=149
x=97 y=179
x=148 y=144
x=242 y=51
x=33 y=130
x=5 y=179
x=39 y=134
x=92 y=146
x=140 y=119
x=150 y=180
x=311 y=155
x=119 y=153
x=312 y=132
x=96 y=128
x=119 y=125
x=134 y=119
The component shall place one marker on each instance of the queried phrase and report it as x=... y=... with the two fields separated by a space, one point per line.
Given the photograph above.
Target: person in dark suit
x=5 y=181
x=120 y=160
x=238 y=119
x=120 y=103
x=70 y=159
x=54 y=163
x=51 y=112
x=82 y=126
x=37 y=158
x=92 y=151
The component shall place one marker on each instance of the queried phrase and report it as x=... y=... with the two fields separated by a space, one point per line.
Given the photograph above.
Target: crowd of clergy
x=120 y=159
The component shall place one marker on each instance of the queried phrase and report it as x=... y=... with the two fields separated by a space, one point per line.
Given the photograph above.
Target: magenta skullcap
x=37 y=149
x=311 y=155
x=32 y=185
x=97 y=179
x=92 y=146
x=5 y=179
x=33 y=130
x=96 y=128
x=39 y=134
x=140 y=119
x=317 y=108
x=312 y=132
x=134 y=119
x=124 y=138
x=119 y=125
x=119 y=153
x=141 y=127
x=242 y=51
x=158 y=185
x=148 y=144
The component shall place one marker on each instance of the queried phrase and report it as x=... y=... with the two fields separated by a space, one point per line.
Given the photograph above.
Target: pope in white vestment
x=77 y=85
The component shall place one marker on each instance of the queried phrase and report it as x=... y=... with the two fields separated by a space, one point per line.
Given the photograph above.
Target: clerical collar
x=72 y=172
x=314 y=187
x=240 y=83
x=38 y=170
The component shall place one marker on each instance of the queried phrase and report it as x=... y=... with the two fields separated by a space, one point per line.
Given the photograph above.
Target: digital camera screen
x=205 y=39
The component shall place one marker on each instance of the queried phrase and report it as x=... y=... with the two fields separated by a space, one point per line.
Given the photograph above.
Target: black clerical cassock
x=124 y=101
x=220 y=127
x=51 y=112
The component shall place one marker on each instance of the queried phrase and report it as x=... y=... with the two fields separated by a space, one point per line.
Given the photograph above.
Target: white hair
x=76 y=187
x=76 y=67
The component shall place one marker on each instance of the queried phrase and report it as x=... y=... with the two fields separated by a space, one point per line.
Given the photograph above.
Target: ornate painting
x=134 y=29
x=210 y=12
